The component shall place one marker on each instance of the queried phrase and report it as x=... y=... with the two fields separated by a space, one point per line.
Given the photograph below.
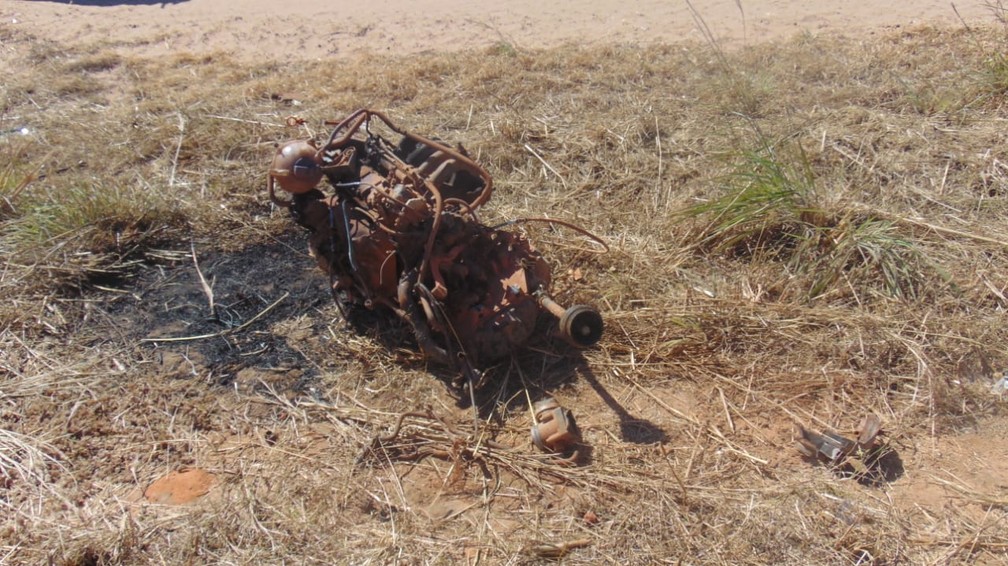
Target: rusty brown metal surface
x=555 y=430
x=398 y=229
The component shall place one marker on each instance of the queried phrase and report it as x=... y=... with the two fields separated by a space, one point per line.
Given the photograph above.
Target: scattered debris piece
x=398 y=231
x=831 y=448
x=865 y=459
x=22 y=130
x=420 y=435
x=1000 y=386
x=180 y=487
x=555 y=430
x=292 y=99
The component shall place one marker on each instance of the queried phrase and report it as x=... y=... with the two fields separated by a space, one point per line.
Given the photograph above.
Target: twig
x=724 y=403
x=547 y=165
x=207 y=288
x=658 y=144
x=598 y=240
x=971 y=494
x=712 y=431
x=953 y=232
x=243 y=121
x=663 y=404
x=178 y=149
x=557 y=549
x=961 y=19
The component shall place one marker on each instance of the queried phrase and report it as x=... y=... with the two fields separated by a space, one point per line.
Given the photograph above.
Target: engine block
x=398 y=229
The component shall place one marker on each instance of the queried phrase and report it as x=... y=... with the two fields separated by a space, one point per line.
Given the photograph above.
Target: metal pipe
x=581 y=325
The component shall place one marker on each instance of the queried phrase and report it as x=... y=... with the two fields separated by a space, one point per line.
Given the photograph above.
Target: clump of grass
x=771 y=211
x=13 y=182
x=503 y=48
x=76 y=229
x=96 y=63
x=767 y=199
x=994 y=76
x=990 y=80
x=92 y=216
x=23 y=459
x=866 y=250
x=930 y=99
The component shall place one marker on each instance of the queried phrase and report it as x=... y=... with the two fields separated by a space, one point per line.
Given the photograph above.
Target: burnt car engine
x=397 y=228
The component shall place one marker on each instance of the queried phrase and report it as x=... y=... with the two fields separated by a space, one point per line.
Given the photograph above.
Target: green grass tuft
x=772 y=211
x=77 y=228
x=995 y=74
x=872 y=252
x=767 y=196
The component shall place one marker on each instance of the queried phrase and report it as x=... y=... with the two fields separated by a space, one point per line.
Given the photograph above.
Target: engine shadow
x=552 y=369
x=636 y=430
x=169 y=314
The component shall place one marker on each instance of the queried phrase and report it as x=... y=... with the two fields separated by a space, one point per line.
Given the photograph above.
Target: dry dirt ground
x=147 y=420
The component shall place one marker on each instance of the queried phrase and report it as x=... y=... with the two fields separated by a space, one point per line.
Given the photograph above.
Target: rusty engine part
x=399 y=230
x=555 y=430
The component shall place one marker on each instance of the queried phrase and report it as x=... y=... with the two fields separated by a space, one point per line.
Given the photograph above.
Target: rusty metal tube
x=410 y=312
x=551 y=305
x=581 y=325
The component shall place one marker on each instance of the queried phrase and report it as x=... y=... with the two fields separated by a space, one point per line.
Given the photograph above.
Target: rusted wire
x=363 y=116
x=359 y=115
x=576 y=228
x=462 y=203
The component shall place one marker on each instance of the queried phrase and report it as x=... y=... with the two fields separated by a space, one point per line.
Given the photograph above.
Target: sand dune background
x=324 y=28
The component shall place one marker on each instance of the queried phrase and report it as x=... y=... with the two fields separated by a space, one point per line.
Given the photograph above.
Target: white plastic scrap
x=1001 y=386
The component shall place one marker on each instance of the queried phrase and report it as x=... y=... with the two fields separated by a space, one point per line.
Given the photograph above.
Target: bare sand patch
x=180 y=487
x=315 y=29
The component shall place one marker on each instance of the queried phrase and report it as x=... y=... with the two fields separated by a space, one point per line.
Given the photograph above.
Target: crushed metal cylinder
x=398 y=229
x=554 y=429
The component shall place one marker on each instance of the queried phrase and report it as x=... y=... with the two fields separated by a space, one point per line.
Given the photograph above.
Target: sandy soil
x=322 y=28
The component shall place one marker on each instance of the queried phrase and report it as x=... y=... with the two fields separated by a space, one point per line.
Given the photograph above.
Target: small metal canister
x=554 y=429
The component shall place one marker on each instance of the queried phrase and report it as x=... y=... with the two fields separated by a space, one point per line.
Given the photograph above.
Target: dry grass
x=800 y=233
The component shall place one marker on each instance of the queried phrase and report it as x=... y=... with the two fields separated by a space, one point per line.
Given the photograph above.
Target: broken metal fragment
x=1000 y=386
x=832 y=448
x=555 y=430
